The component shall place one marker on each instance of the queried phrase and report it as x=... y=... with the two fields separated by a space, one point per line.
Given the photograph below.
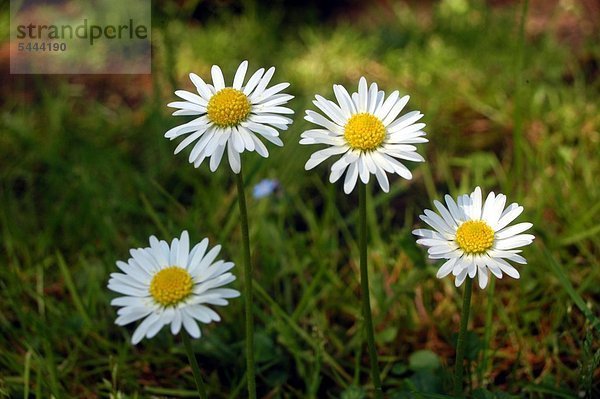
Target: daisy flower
x=365 y=130
x=165 y=284
x=475 y=237
x=231 y=117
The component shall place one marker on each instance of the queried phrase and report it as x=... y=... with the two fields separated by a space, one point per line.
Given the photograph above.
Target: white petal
x=190 y=325
x=460 y=278
x=203 y=313
x=234 y=158
x=514 y=242
x=404 y=121
x=260 y=147
x=263 y=82
x=510 y=255
x=141 y=275
x=492 y=266
x=506 y=268
x=450 y=221
x=372 y=98
x=272 y=119
x=513 y=230
x=331 y=109
x=253 y=81
x=215 y=159
x=428 y=234
x=257 y=98
x=439 y=223
x=344 y=100
x=160 y=251
x=431 y=242
x=199 y=147
x=510 y=214
x=201 y=86
x=472 y=266
x=362 y=95
x=207 y=260
x=155 y=327
x=196 y=255
x=319 y=156
x=446 y=268
x=398 y=167
x=217 y=78
x=455 y=211
x=483 y=277
x=240 y=74
x=488 y=207
x=142 y=329
x=126 y=289
x=382 y=180
x=132 y=314
x=176 y=323
x=246 y=136
x=497 y=210
x=387 y=105
x=320 y=120
x=236 y=140
x=189 y=139
x=186 y=112
x=396 y=109
x=442 y=250
x=191 y=97
x=473 y=207
x=187 y=106
x=184 y=129
x=351 y=177
x=363 y=171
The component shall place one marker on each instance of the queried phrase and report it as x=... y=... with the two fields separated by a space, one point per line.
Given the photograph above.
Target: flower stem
x=250 y=373
x=194 y=363
x=460 y=344
x=364 y=284
x=487 y=336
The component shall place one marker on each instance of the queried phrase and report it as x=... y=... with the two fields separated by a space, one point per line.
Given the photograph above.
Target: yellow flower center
x=228 y=107
x=364 y=132
x=474 y=236
x=171 y=286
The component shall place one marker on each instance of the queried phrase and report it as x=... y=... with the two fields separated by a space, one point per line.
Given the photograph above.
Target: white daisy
x=231 y=116
x=475 y=237
x=172 y=285
x=363 y=129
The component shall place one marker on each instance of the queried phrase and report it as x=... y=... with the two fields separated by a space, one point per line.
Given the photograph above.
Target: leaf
x=424 y=360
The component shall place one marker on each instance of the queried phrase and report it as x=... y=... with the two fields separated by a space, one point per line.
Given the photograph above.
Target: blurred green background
x=511 y=103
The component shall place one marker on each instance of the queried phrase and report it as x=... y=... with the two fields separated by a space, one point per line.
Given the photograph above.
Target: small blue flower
x=265 y=188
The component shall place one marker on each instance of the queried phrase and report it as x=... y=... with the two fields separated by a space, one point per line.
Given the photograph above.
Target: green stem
x=460 y=344
x=487 y=336
x=250 y=373
x=194 y=363
x=364 y=284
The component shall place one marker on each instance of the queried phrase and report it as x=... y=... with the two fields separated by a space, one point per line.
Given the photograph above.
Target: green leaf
x=424 y=360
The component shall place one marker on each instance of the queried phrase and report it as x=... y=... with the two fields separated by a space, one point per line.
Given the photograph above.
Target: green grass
x=85 y=174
